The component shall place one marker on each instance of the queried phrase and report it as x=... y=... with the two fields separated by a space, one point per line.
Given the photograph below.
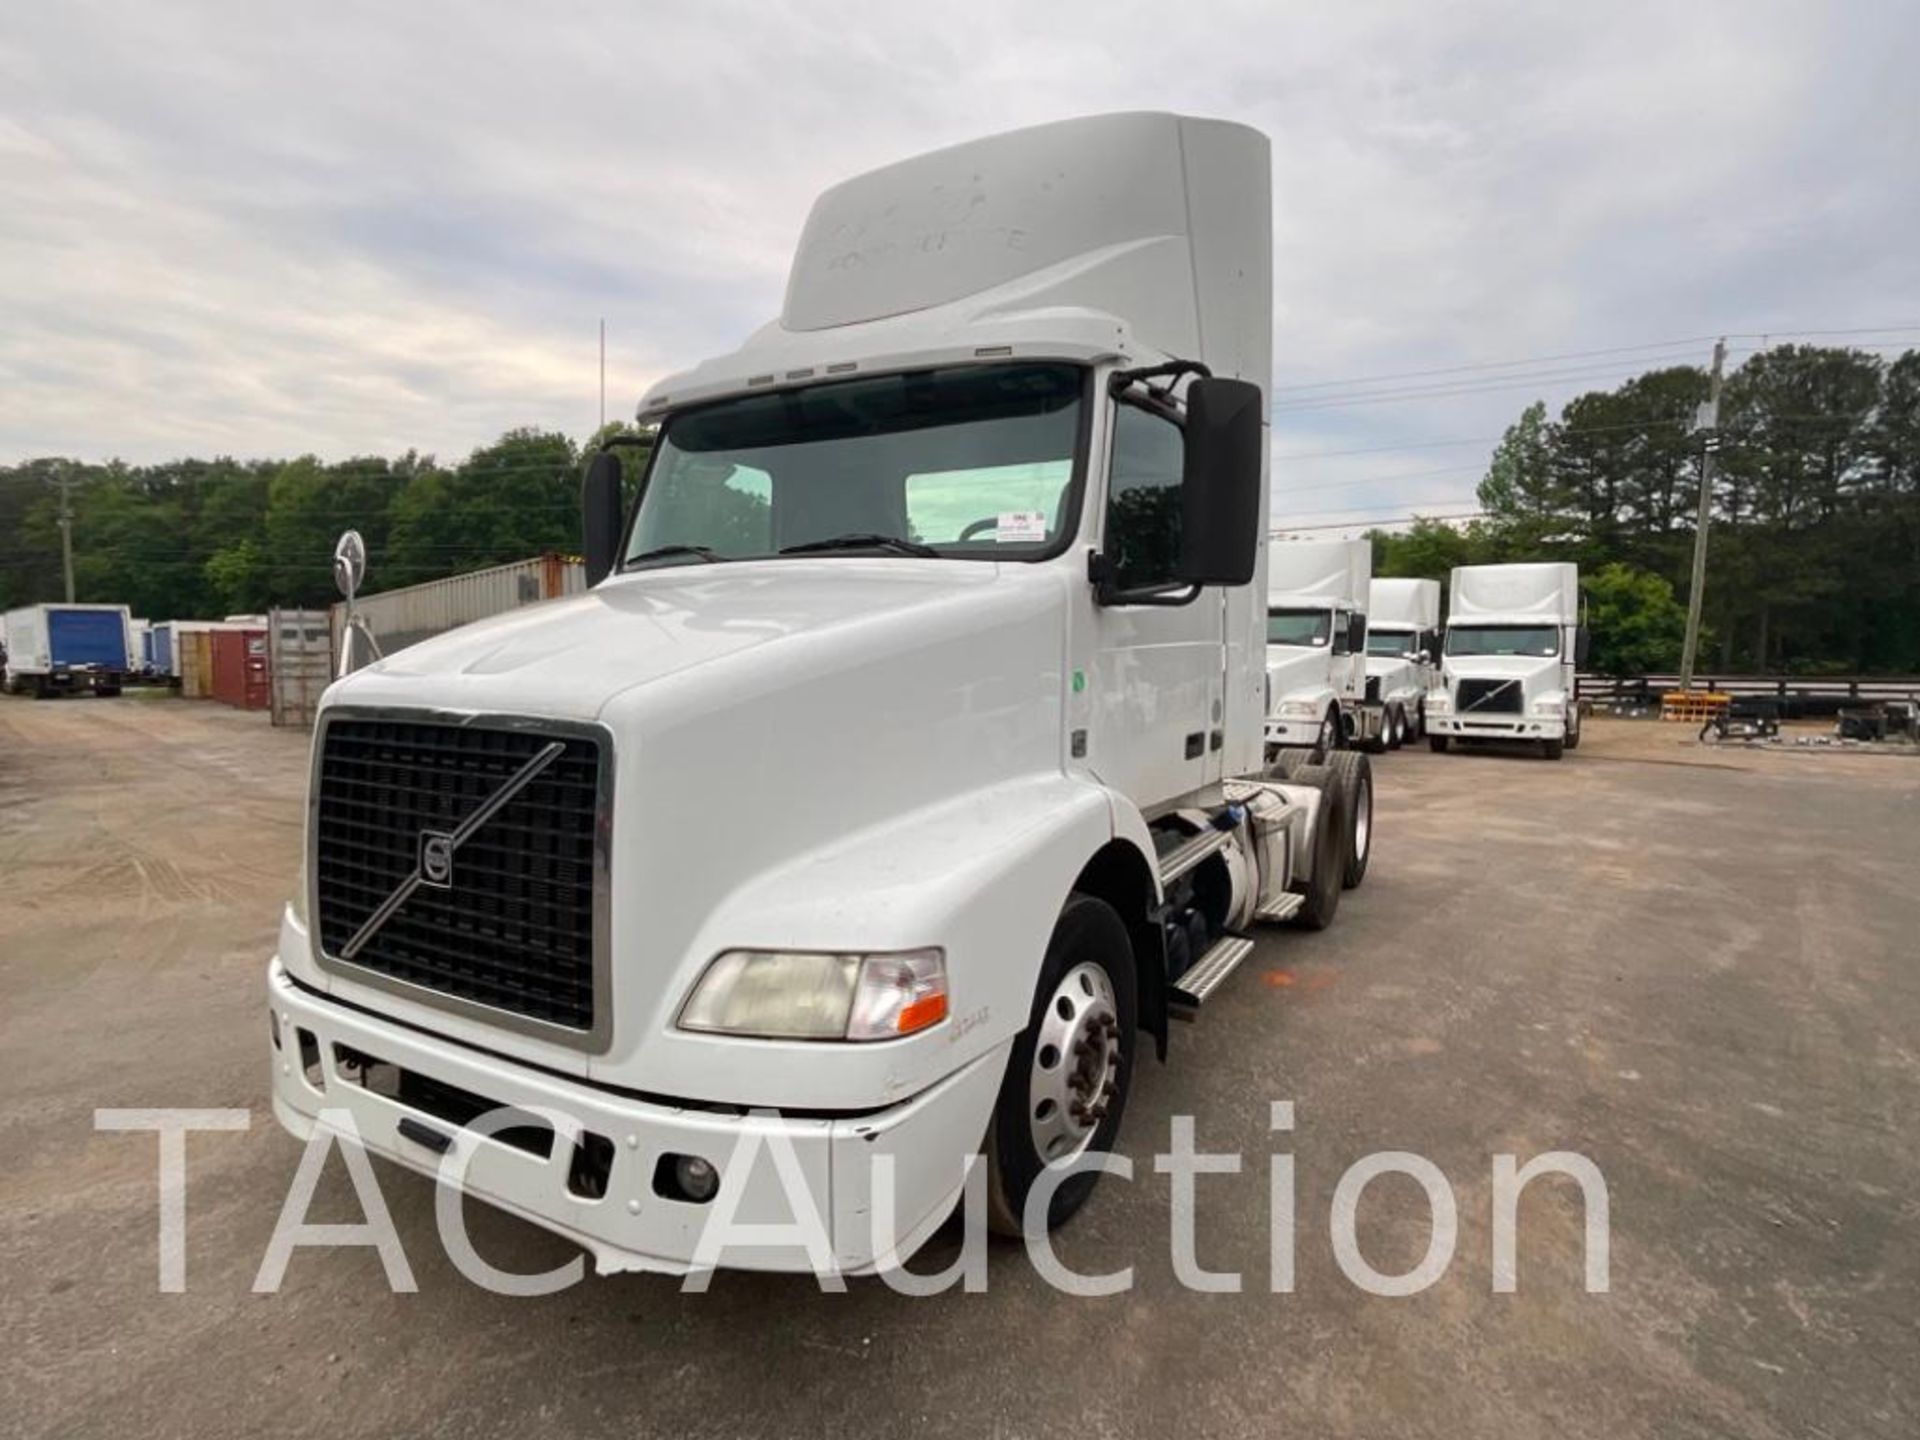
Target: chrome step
x=1281 y=907
x=1190 y=852
x=1205 y=975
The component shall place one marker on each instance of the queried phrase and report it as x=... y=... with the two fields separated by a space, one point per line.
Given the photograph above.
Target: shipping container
x=240 y=674
x=196 y=662
x=399 y=618
x=300 y=657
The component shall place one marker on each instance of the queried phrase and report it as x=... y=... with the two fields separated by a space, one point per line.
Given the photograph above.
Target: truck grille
x=513 y=925
x=1488 y=697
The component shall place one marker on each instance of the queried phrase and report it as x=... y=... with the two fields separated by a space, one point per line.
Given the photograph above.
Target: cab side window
x=1342 y=632
x=1142 y=541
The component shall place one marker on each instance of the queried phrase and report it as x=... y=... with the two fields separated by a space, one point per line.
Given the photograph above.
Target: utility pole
x=64 y=484
x=1706 y=422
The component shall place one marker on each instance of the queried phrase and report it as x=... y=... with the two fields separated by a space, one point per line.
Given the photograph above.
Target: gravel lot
x=1696 y=968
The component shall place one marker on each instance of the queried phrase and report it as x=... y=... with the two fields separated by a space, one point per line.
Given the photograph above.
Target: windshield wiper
x=862 y=542
x=665 y=552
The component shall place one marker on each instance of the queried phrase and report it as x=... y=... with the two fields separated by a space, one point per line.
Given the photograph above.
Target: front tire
x=1552 y=749
x=1067 y=1079
x=1328 y=739
x=1438 y=743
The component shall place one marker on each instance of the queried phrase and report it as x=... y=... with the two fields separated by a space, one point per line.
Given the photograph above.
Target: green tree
x=1637 y=625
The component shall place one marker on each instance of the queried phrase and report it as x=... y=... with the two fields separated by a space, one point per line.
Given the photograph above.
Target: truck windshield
x=1393 y=643
x=1542 y=641
x=1299 y=627
x=974 y=461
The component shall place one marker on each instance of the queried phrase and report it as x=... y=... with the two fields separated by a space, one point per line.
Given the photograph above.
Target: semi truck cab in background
x=899 y=777
x=1316 y=645
x=1514 y=645
x=1403 y=653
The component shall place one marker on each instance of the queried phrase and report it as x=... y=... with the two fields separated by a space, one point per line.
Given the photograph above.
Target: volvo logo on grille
x=436 y=859
x=435 y=865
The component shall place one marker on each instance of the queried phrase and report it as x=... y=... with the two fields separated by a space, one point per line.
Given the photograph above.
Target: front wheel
x=1328 y=740
x=1573 y=729
x=1396 y=728
x=1066 y=1083
x=1438 y=743
x=1552 y=749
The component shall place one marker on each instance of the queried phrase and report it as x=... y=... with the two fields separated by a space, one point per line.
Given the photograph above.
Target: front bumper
x=1293 y=732
x=930 y=1138
x=1498 y=727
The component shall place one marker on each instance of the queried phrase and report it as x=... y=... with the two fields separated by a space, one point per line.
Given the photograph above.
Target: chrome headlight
x=1550 y=706
x=1297 y=710
x=811 y=995
x=1440 y=702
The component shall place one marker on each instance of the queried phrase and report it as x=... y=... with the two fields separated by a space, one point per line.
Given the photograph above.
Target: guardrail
x=1798 y=695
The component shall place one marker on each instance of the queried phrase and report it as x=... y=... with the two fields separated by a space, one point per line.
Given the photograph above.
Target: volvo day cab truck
x=1403 y=653
x=1316 y=645
x=899 y=777
x=1513 y=645
x=66 y=649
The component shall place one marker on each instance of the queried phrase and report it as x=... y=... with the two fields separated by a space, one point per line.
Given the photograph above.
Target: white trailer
x=62 y=649
x=899 y=777
x=1514 y=644
x=1403 y=653
x=1316 y=645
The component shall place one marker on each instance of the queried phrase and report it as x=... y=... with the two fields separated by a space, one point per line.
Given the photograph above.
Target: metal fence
x=1797 y=694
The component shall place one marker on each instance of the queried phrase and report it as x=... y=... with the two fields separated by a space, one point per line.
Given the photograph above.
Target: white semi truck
x=1403 y=653
x=899 y=776
x=1316 y=645
x=1513 y=647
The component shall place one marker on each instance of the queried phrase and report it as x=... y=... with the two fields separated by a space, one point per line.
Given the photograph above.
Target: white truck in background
x=1403 y=653
x=902 y=768
x=1514 y=645
x=62 y=649
x=1316 y=645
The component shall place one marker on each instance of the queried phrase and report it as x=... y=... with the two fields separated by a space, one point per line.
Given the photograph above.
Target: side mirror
x=349 y=564
x=1582 y=645
x=1221 y=528
x=600 y=501
x=1357 y=633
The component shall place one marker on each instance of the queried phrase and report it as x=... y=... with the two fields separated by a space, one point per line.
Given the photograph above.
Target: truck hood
x=1296 y=669
x=570 y=658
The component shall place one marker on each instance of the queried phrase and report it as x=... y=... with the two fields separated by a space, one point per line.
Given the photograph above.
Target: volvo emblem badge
x=436 y=859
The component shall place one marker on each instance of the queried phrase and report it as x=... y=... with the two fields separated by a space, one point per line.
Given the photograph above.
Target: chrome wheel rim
x=1362 y=821
x=1076 y=1065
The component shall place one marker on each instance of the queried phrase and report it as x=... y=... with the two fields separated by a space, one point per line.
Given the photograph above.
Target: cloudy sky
x=346 y=229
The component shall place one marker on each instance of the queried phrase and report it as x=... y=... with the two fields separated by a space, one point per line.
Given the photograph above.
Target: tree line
x=193 y=539
x=1813 y=561
x=1814 y=564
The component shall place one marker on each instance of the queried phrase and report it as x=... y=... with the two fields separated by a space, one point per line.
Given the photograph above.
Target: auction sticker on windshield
x=1018 y=525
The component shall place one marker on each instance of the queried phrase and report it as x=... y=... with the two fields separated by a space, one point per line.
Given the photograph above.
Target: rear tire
x=1330 y=838
x=1086 y=995
x=1355 y=776
x=1438 y=743
x=1287 y=762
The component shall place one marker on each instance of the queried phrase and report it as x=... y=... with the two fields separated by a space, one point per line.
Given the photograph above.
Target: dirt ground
x=1696 y=968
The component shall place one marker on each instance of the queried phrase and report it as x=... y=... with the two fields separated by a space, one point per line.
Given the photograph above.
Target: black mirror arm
x=1156 y=400
x=1107 y=593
